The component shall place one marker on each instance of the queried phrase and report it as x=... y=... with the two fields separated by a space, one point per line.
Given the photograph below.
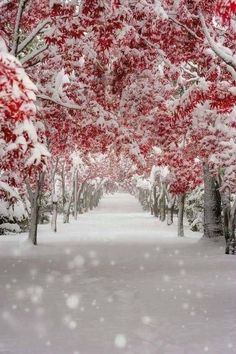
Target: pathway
x=116 y=281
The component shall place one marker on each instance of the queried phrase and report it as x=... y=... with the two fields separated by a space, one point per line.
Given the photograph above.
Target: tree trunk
x=80 y=198
x=155 y=202
x=170 y=211
x=212 y=206
x=226 y=211
x=162 y=205
x=54 y=199
x=54 y=215
x=66 y=217
x=35 y=198
x=181 y=200
x=97 y=197
x=87 y=198
x=63 y=190
x=75 y=195
x=90 y=196
x=229 y=215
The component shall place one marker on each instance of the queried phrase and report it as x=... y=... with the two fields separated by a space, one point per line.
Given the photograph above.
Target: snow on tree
x=117 y=79
x=21 y=146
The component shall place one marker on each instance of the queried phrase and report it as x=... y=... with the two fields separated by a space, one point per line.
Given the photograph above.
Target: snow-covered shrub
x=13 y=217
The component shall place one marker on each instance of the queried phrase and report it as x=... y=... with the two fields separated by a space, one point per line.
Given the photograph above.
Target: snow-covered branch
x=17 y=26
x=32 y=35
x=159 y=51
x=69 y=105
x=12 y=193
x=185 y=27
x=33 y=54
x=228 y=59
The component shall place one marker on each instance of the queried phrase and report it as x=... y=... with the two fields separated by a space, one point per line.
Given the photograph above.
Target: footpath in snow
x=116 y=281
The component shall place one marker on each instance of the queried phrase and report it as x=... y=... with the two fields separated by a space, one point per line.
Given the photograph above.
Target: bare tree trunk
x=226 y=210
x=76 y=195
x=212 y=206
x=54 y=199
x=54 y=215
x=80 y=198
x=155 y=201
x=63 y=190
x=181 y=200
x=91 y=196
x=97 y=197
x=162 y=205
x=231 y=244
x=86 y=197
x=35 y=199
x=229 y=217
x=66 y=216
x=170 y=210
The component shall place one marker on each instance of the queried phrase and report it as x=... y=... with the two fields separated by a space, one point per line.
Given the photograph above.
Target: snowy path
x=116 y=281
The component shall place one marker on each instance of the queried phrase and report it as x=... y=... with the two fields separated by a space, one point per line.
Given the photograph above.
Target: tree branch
x=33 y=54
x=228 y=59
x=61 y=103
x=32 y=35
x=185 y=27
x=17 y=27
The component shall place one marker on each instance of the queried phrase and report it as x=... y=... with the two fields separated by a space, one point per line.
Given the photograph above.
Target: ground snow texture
x=116 y=281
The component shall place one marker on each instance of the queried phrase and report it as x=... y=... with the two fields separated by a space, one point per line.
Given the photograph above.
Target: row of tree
x=126 y=84
x=213 y=214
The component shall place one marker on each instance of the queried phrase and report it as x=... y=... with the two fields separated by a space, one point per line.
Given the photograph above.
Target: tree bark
x=66 y=216
x=54 y=215
x=35 y=199
x=75 y=195
x=229 y=217
x=54 y=198
x=155 y=202
x=63 y=191
x=162 y=205
x=80 y=198
x=170 y=211
x=181 y=200
x=212 y=206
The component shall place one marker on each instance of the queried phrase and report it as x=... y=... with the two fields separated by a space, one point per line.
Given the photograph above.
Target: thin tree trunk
x=181 y=200
x=35 y=199
x=162 y=205
x=230 y=239
x=170 y=211
x=155 y=202
x=63 y=191
x=80 y=196
x=86 y=198
x=66 y=216
x=54 y=199
x=226 y=211
x=75 y=195
x=54 y=215
x=212 y=206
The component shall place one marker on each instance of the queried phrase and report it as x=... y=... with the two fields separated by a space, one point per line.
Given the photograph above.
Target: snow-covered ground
x=116 y=281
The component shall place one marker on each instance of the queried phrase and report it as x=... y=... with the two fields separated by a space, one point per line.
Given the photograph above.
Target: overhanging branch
x=228 y=59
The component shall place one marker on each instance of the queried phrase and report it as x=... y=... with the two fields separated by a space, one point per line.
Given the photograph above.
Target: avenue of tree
x=97 y=95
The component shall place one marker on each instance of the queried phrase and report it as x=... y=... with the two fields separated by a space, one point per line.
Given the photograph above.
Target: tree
x=22 y=136
x=119 y=78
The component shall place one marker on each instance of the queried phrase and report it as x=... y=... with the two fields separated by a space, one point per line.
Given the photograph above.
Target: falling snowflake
x=120 y=341
x=73 y=301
